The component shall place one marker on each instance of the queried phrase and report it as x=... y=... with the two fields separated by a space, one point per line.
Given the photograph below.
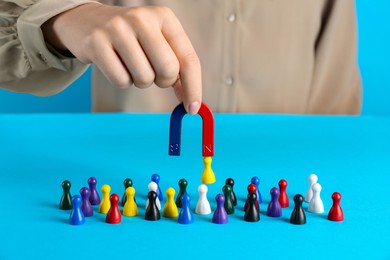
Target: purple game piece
x=77 y=215
x=256 y=181
x=94 y=197
x=220 y=215
x=274 y=209
x=86 y=206
x=156 y=178
x=185 y=216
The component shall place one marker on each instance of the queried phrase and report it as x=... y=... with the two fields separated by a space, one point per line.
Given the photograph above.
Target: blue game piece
x=77 y=215
x=156 y=178
x=185 y=215
x=86 y=206
x=94 y=197
x=274 y=209
x=256 y=181
x=220 y=215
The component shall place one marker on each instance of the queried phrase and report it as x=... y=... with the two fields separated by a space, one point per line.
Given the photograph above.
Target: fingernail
x=193 y=108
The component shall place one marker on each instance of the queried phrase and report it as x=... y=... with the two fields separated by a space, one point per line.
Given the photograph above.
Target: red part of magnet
x=207 y=130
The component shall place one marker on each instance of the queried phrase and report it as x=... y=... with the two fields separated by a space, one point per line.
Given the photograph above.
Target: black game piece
x=183 y=190
x=228 y=204
x=66 y=199
x=230 y=181
x=298 y=216
x=152 y=213
x=127 y=183
x=251 y=189
x=252 y=213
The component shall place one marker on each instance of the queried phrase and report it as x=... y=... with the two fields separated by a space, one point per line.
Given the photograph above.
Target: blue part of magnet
x=175 y=129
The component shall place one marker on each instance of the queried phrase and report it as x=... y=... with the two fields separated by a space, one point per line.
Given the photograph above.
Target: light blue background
x=374 y=61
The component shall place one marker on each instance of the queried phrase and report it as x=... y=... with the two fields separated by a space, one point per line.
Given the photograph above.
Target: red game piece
x=251 y=189
x=283 y=197
x=336 y=212
x=114 y=215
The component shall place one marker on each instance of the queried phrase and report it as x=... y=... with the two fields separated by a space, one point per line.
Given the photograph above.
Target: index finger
x=190 y=69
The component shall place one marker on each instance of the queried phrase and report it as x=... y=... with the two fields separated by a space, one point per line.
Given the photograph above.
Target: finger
x=178 y=89
x=111 y=66
x=190 y=70
x=160 y=55
x=133 y=56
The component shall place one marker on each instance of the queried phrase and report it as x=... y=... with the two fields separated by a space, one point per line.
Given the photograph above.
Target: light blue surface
x=349 y=154
x=374 y=61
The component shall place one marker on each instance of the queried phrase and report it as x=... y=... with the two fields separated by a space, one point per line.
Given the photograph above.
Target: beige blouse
x=268 y=56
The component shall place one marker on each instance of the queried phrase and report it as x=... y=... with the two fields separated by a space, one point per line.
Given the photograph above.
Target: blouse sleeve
x=27 y=63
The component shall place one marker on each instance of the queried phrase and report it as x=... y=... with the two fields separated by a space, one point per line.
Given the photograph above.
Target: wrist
x=52 y=28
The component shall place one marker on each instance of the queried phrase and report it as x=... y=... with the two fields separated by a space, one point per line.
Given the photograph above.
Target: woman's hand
x=140 y=46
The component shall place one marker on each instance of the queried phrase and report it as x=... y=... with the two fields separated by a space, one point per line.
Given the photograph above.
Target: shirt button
x=43 y=57
x=228 y=81
x=231 y=17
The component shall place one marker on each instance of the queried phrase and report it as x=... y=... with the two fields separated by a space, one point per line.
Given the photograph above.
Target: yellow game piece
x=105 y=203
x=170 y=208
x=130 y=208
x=208 y=176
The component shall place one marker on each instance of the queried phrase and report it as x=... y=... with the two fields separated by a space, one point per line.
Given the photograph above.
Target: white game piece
x=309 y=194
x=315 y=204
x=152 y=186
x=203 y=205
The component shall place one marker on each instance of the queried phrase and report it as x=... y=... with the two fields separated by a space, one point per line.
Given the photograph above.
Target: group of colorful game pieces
x=313 y=197
x=81 y=205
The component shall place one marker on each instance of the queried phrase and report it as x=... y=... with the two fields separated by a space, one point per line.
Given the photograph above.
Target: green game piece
x=183 y=190
x=66 y=199
x=228 y=205
x=127 y=183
